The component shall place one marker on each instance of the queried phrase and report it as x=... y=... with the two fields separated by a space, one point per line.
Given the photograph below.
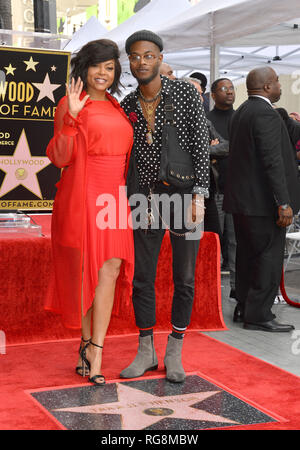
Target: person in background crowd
x=88 y=258
x=218 y=148
x=205 y=95
x=195 y=82
x=298 y=152
x=148 y=102
x=262 y=192
x=292 y=122
x=167 y=71
x=223 y=94
x=296 y=116
x=293 y=127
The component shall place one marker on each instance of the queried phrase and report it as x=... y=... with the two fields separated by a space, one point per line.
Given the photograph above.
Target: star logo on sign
x=46 y=89
x=31 y=64
x=21 y=168
x=140 y=410
x=10 y=70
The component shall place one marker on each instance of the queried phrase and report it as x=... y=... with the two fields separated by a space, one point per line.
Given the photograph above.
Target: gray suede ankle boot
x=145 y=359
x=173 y=364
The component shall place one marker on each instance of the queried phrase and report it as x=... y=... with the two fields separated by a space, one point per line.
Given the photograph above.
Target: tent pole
x=214 y=67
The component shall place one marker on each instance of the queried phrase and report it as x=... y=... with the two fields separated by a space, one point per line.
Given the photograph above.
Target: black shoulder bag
x=176 y=165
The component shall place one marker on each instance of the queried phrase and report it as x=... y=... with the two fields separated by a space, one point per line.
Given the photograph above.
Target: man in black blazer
x=262 y=193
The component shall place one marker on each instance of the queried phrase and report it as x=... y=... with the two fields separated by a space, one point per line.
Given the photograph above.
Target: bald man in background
x=262 y=192
x=167 y=71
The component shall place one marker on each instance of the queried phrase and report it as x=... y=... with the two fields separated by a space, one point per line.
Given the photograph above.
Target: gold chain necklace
x=149 y=112
x=150 y=100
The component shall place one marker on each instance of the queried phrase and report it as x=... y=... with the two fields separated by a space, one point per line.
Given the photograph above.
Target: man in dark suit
x=262 y=193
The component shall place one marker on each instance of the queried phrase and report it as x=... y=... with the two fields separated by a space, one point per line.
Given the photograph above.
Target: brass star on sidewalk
x=31 y=64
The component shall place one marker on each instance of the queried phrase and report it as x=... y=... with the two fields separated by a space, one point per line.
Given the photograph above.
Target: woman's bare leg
x=102 y=308
x=86 y=331
x=86 y=324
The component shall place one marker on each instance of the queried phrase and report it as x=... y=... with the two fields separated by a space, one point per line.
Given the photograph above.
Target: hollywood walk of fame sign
x=32 y=82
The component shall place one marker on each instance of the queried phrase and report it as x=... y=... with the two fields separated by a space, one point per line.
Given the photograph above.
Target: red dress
x=91 y=216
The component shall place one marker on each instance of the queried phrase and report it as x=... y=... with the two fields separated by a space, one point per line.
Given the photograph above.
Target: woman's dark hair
x=93 y=53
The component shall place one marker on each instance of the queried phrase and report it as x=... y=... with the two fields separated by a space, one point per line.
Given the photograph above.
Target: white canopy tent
x=214 y=36
x=226 y=22
x=92 y=29
x=220 y=36
x=154 y=16
x=217 y=36
x=236 y=62
x=207 y=26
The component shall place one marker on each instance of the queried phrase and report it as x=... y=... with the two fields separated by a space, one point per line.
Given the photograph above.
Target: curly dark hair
x=95 y=52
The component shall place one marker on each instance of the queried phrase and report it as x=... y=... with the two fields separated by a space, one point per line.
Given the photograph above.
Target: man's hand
x=196 y=210
x=285 y=216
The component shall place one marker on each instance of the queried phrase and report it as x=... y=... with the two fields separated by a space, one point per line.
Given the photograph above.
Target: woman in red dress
x=91 y=143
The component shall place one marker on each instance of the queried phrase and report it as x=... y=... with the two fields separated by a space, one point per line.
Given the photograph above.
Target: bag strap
x=169 y=110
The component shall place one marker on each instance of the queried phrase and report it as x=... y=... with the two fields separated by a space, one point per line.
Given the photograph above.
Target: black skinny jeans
x=147 y=247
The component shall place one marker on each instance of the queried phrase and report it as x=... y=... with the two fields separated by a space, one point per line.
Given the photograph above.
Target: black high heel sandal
x=81 y=369
x=88 y=365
